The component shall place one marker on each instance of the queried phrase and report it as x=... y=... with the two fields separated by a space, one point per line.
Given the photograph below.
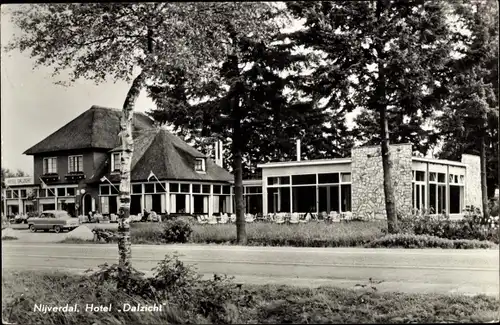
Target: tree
x=134 y=42
x=7 y=173
x=379 y=56
x=470 y=121
x=255 y=108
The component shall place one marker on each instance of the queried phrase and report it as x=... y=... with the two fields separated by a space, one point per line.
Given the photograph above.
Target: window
x=116 y=158
x=184 y=188
x=283 y=180
x=115 y=189
x=441 y=178
x=346 y=177
x=328 y=178
x=174 y=187
x=160 y=187
x=419 y=176
x=23 y=193
x=253 y=190
x=206 y=189
x=105 y=190
x=70 y=191
x=61 y=191
x=137 y=188
x=49 y=165
x=217 y=189
x=432 y=177
x=75 y=164
x=226 y=189
x=304 y=179
x=149 y=188
x=199 y=165
x=196 y=188
x=9 y=194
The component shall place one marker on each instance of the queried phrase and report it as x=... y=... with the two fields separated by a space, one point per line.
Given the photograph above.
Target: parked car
x=56 y=220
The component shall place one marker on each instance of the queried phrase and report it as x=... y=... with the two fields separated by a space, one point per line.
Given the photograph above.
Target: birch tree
x=132 y=42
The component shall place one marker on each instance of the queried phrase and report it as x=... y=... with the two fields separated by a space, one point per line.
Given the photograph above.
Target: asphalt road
x=422 y=271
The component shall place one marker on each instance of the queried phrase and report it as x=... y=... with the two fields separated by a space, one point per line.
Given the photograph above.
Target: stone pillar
x=368 y=180
x=472 y=180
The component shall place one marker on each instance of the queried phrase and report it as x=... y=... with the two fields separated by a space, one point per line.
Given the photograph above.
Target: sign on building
x=14 y=181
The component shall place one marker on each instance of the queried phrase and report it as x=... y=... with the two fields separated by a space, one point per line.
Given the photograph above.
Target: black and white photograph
x=299 y=162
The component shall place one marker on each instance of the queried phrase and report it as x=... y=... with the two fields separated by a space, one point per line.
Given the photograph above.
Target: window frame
x=113 y=161
x=79 y=170
x=202 y=165
x=46 y=171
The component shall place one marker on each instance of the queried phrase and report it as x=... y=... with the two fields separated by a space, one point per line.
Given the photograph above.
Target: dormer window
x=116 y=161
x=199 y=165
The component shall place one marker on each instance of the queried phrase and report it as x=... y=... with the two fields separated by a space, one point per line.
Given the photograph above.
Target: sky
x=33 y=107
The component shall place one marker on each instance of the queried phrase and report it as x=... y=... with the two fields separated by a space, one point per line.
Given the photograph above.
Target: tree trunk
x=241 y=234
x=484 y=186
x=127 y=142
x=390 y=204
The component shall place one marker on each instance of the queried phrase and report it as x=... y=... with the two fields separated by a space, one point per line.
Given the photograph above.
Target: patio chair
x=334 y=216
x=249 y=218
x=347 y=216
x=305 y=218
x=201 y=220
x=233 y=217
x=270 y=217
x=224 y=218
x=294 y=218
x=279 y=218
x=212 y=220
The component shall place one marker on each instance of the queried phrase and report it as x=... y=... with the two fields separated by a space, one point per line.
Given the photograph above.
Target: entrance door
x=86 y=204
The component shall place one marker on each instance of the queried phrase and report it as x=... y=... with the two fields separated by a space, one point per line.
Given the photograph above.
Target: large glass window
x=49 y=165
x=105 y=190
x=184 y=188
x=304 y=198
x=456 y=198
x=329 y=199
x=284 y=199
x=272 y=200
x=346 y=198
x=75 y=164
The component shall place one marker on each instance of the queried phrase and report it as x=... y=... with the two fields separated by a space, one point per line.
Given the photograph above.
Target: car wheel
x=32 y=228
x=57 y=229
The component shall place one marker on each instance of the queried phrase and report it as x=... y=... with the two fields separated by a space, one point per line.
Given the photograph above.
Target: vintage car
x=56 y=220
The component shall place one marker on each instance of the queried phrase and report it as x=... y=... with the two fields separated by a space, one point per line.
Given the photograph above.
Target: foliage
x=176 y=231
x=6 y=173
x=427 y=241
x=252 y=304
x=471 y=114
x=472 y=226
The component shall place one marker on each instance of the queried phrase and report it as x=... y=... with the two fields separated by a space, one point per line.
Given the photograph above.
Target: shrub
x=176 y=231
x=472 y=226
x=426 y=241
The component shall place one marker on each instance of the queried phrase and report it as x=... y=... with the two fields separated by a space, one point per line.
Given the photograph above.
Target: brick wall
x=368 y=182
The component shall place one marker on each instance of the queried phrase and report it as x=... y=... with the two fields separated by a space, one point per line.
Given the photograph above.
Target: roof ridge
x=116 y=109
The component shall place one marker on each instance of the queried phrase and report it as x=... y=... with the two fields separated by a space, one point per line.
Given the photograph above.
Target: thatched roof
x=97 y=127
x=169 y=157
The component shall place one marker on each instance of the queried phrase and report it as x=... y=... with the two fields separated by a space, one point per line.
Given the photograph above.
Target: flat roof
x=439 y=161
x=329 y=161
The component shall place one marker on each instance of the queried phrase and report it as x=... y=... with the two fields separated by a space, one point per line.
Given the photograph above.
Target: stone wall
x=472 y=180
x=368 y=181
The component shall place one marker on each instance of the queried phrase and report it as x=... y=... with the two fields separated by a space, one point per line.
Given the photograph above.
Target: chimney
x=219 y=153
x=298 y=149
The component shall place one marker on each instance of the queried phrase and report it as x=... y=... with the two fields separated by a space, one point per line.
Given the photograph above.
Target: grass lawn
x=313 y=234
x=269 y=304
